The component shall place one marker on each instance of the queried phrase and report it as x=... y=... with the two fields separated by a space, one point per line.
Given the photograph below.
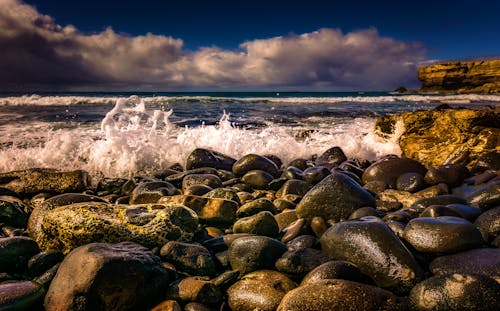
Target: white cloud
x=39 y=52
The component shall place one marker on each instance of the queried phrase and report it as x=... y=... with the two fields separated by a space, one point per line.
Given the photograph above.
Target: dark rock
x=411 y=182
x=13 y=212
x=22 y=295
x=456 y=292
x=256 y=206
x=197 y=189
x=253 y=253
x=400 y=216
x=365 y=211
x=318 y=225
x=484 y=261
x=488 y=224
x=259 y=290
x=199 y=158
x=375 y=186
x=293 y=186
x=103 y=276
x=299 y=262
x=315 y=174
x=326 y=295
x=196 y=306
x=301 y=164
x=262 y=223
x=450 y=174
x=213 y=181
x=191 y=258
x=193 y=289
x=445 y=199
x=485 y=197
x=438 y=210
x=296 y=228
x=352 y=167
x=43 y=261
x=375 y=250
x=275 y=159
x=465 y=211
x=111 y=185
x=335 y=270
x=389 y=169
x=46 y=278
x=32 y=181
x=151 y=192
x=223 y=193
x=257 y=179
x=335 y=197
x=251 y=162
x=445 y=234
x=167 y=305
x=176 y=179
x=7 y=192
x=293 y=172
x=284 y=219
x=15 y=253
x=487 y=161
x=334 y=155
x=302 y=241
x=282 y=205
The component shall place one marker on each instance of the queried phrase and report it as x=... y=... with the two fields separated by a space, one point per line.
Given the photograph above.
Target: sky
x=55 y=45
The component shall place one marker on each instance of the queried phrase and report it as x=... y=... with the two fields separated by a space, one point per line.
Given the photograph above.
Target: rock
x=103 y=276
x=301 y=242
x=257 y=179
x=199 y=158
x=15 y=253
x=299 y=262
x=488 y=224
x=191 y=258
x=176 y=179
x=32 y=181
x=256 y=206
x=262 y=223
x=445 y=199
x=446 y=136
x=223 y=193
x=315 y=174
x=318 y=226
x=334 y=156
x=485 y=197
x=484 y=261
x=70 y=226
x=461 y=77
x=196 y=306
x=193 y=289
x=292 y=172
x=46 y=278
x=213 y=181
x=456 y=292
x=21 y=295
x=365 y=211
x=151 y=192
x=251 y=253
x=198 y=190
x=375 y=250
x=285 y=218
x=335 y=270
x=332 y=294
x=487 y=161
x=295 y=229
x=43 y=261
x=111 y=185
x=465 y=211
x=251 y=162
x=259 y=290
x=335 y=197
x=444 y=234
x=411 y=182
x=13 y=212
x=276 y=160
x=167 y=305
x=376 y=186
x=389 y=169
x=451 y=174
x=293 y=186
x=211 y=211
x=438 y=210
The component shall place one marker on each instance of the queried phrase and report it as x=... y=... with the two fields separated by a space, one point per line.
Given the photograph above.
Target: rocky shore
x=217 y=233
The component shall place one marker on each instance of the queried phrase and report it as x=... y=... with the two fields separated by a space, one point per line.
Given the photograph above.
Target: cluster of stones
x=325 y=233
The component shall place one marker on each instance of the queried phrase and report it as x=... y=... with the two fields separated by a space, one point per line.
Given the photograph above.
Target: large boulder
x=151 y=225
x=103 y=276
x=335 y=197
x=445 y=136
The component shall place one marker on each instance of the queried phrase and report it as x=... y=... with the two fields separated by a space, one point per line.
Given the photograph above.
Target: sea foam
x=133 y=139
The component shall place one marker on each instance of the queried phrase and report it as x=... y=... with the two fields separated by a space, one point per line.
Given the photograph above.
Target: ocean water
x=126 y=134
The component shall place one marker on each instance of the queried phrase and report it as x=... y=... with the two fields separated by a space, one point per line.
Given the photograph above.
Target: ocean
x=127 y=134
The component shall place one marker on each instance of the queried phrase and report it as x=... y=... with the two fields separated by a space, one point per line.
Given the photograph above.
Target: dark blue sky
x=448 y=29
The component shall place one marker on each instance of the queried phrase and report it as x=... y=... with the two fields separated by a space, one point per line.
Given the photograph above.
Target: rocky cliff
x=481 y=77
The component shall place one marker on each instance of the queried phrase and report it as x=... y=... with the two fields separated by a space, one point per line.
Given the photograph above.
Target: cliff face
x=461 y=77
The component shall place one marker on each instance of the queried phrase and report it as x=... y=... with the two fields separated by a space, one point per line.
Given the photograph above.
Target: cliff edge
x=481 y=77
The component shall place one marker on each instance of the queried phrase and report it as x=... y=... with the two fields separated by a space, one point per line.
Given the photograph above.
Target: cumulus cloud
x=37 y=52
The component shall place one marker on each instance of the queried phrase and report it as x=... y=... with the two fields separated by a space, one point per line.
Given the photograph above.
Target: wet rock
x=199 y=158
x=335 y=197
x=176 y=179
x=283 y=205
x=43 y=261
x=13 y=212
x=375 y=186
x=484 y=261
x=262 y=223
x=299 y=163
x=211 y=211
x=335 y=270
x=46 y=278
x=456 y=292
x=450 y=174
x=70 y=226
x=15 y=253
x=284 y=219
x=334 y=156
x=487 y=161
x=256 y=206
x=193 y=289
x=210 y=180
x=375 y=250
x=315 y=174
x=167 y=305
x=299 y=262
x=111 y=185
x=151 y=192
x=103 y=276
x=37 y=180
x=257 y=179
x=438 y=210
x=488 y=224
x=365 y=211
x=259 y=290
x=444 y=234
x=251 y=162
x=296 y=228
x=276 y=160
x=318 y=226
x=301 y=242
x=407 y=198
x=198 y=190
x=191 y=258
x=292 y=172
x=340 y=295
x=24 y=295
x=223 y=193
x=485 y=197
x=389 y=169
x=445 y=199
x=253 y=253
x=196 y=306
x=411 y=182
x=465 y=211
x=293 y=186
